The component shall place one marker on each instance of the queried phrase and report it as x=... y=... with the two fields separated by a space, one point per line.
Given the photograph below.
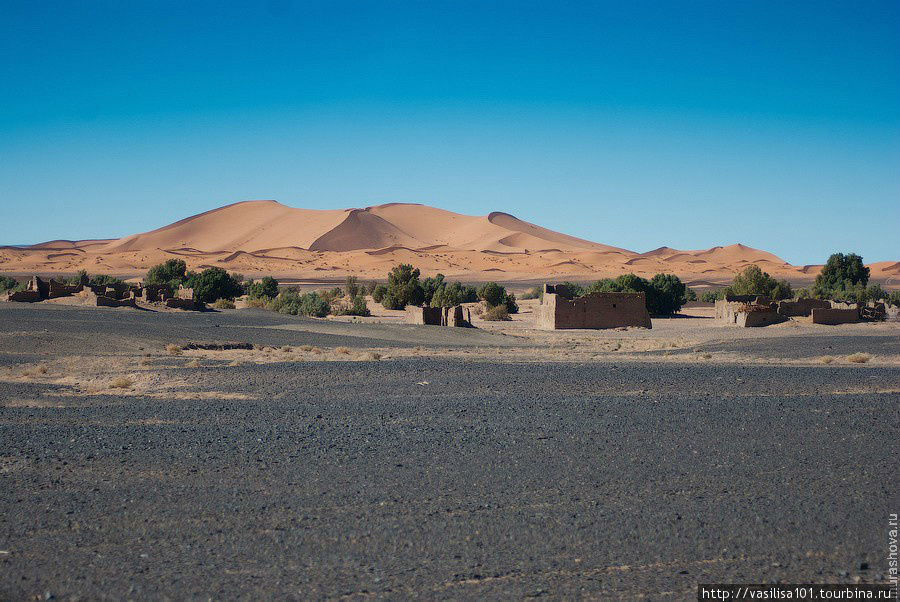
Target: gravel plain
x=429 y=476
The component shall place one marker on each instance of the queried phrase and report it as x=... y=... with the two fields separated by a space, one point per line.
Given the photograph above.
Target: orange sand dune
x=266 y=237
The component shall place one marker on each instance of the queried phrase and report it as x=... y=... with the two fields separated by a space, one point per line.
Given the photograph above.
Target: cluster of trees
x=665 y=293
x=8 y=284
x=94 y=279
x=753 y=281
x=844 y=277
x=209 y=286
x=405 y=288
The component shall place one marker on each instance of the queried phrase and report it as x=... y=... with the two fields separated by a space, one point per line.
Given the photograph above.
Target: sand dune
x=266 y=237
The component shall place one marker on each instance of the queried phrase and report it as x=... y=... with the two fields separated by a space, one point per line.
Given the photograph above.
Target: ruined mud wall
x=834 y=316
x=596 y=310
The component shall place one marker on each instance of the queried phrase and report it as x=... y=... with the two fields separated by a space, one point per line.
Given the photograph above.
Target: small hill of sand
x=266 y=237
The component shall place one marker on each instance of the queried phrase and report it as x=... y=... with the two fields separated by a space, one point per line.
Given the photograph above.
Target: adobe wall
x=457 y=316
x=595 y=310
x=755 y=319
x=178 y=303
x=800 y=307
x=104 y=301
x=834 y=316
x=430 y=316
x=24 y=296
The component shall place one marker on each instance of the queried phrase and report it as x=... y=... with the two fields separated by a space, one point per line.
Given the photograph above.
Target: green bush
x=569 y=290
x=510 y=304
x=8 y=284
x=430 y=286
x=667 y=294
x=453 y=293
x=378 y=292
x=267 y=288
x=711 y=296
x=894 y=298
x=664 y=293
x=214 y=283
x=841 y=275
x=293 y=303
x=357 y=307
x=223 y=304
x=690 y=294
x=172 y=273
x=352 y=287
x=492 y=294
x=403 y=288
x=753 y=281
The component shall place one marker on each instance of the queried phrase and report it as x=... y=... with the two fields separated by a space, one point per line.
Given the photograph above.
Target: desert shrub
x=104 y=280
x=510 y=304
x=495 y=295
x=403 y=288
x=8 y=284
x=664 y=294
x=267 y=288
x=859 y=358
x=453 y=293
x=711 y=296
x=390 y=301
x=874 y=292
x=492 y=294
x=121 y=383
x=352 y=287
x=894 y=298
x=569 y=290
x=690 y=294
x=223 y=304
x=378 y=292
x=430 y=286
x=536 y=292
x=173 y=273
x=753 y=281
x=496 y=313
x=357 y=307
x=215 y=283
x=173 y=349
x=296 y=304
x=841 y=274
x=667 y=294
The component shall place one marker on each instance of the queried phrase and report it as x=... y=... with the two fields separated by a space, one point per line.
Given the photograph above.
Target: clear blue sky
x=637 y=124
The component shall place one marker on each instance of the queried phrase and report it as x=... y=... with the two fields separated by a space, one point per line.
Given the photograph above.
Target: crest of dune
x=266 y=237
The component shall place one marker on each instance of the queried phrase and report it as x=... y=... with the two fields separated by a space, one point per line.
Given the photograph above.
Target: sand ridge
x=267 y=237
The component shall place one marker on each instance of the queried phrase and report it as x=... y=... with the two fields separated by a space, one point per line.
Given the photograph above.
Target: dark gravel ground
x=596 y=480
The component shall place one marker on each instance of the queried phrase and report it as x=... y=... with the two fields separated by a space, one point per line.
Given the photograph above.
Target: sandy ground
x=376 y=459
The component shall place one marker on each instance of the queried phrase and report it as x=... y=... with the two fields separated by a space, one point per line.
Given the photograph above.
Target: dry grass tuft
x=121 y=383
x=145 y=362
x=706 y=356
x=236 y=363
x=859 y=358
x=41 y=369
x=307 y=347
x=342 y=350
x=287 y=348
x=173 y=349
x=826 y=359
x=373 y=356
x=193 y=364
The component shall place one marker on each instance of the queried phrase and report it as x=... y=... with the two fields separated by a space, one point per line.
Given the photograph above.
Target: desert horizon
x=265 y=237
